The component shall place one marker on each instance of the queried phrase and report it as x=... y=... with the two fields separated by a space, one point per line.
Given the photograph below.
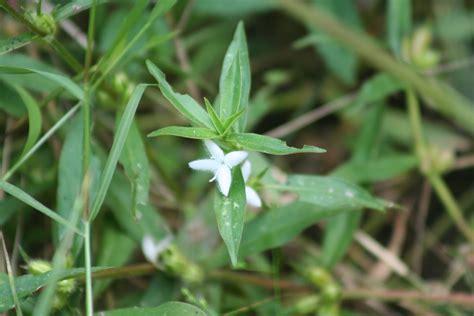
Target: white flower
x=152 y=249
x=252 y=196
x=220 y=165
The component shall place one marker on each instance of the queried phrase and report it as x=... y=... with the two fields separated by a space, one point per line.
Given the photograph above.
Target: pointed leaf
x=186 y=132
x=16 y=42
x=269 y=145
x=398 y=24
x=116 y=150
x=182 y=102
x=214 y=116
x=230 y=214
x=331 y=192
x=234 y=84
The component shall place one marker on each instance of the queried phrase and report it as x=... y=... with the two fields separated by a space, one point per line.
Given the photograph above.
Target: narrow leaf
x=117 y=146
x=34 y=119
x=269 y=145
x=230 y=214
x=182 y=102
x=398 y=24
x=214 y=117
x=135 y=163
x=16 y=42
x=234 y=83
x=186 y=132
x=29 y=200
x=63 y=81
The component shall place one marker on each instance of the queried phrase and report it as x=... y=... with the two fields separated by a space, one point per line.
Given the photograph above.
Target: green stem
x=66 y=55
x=445 y=100
x=426 y=166
x=88 y=267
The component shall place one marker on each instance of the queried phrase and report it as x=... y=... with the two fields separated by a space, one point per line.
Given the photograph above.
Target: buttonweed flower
x=251 y=195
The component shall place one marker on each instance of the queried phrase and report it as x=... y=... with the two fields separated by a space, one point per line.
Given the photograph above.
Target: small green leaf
x=269 y=145
x=331 y=192
x=234 y=84
x=186 y=132
x=229 y=123
x=34 y=119
x=214 y=117
x=230 y=214
x=116 y=150
x=182 y=102
x=167 y=309
x=29 y=200
x=63 y=81
x=16 y=42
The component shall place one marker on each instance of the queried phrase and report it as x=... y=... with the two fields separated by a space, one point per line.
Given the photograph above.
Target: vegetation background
x=384 y=86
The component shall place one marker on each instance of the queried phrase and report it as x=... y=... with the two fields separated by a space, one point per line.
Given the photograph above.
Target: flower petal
x=205 y=165
x=246 y=170
x=215 y=151
x=252 y=197
x=234 y=158
x=151 y=249
x=224 y=179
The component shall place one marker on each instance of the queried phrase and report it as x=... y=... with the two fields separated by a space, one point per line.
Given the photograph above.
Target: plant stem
x=66 y=55
x=427 y=168
x=21 y=18
x=445 y=100
x=88 y=267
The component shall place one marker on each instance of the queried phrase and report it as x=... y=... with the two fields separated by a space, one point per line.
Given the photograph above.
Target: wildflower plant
x=225 y=123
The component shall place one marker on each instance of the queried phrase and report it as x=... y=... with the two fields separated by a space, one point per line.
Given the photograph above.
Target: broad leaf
x=182 y=102
x=186 y=132
x=330 y=192
x=230 y=214
x=167 y=309
x=234 y=84
x=269 y=145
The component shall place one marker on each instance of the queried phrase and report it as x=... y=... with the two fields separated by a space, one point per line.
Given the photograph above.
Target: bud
x=36 y=267
x=44 y=22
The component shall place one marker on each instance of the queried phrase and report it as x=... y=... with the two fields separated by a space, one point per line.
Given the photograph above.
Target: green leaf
x=34 y=119
x=377 y=169
x=28 y=284
x=229 y=123
x=230 y=214
x=331 y=192
x=234 y=83
x=69 y=174
x=116 y=250
x=182 y=102
x=375 y=89
x=216 y=121
x=186 y=132
x=61 y=80
x=74 y=7
x=29 y=200
x=341 y=60
x=135 y=163
x=269 y=145
x=167 y=309
x=276 y=227
x=16 y=42
x=398 y=24
x=232 y=8
x=116 y=150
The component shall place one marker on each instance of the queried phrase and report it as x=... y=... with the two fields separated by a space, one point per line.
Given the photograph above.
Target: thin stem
x=39 y=7
x=427 y=168
x=88 y=267
x=11 y=278
x=66 y=55
x=40 y=142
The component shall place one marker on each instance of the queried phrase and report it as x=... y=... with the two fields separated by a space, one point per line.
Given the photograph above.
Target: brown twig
x=311 y=116
x=420 y=226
